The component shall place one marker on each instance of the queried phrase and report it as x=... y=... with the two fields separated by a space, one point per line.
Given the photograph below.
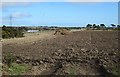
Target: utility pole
x=10 y=20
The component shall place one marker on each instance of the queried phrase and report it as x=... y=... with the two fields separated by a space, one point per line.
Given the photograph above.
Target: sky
x=62 y=14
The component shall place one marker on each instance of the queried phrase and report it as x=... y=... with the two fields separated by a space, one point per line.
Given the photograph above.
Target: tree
x=98 y=27
x=94 y=26
x=102 y=25
x=118 y=26
x=89 y=26
x=113 y=25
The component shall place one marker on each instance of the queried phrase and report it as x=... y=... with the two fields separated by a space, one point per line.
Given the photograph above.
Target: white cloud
x=0 y=7
x=9 y=4
x=92 y=0
x=5 y=5
x=20 y=14
x=23 y=0
x=17 y=15
x=0 y=20
x=60 y=0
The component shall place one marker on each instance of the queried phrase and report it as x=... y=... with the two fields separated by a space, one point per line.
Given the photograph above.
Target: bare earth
x=80 y=53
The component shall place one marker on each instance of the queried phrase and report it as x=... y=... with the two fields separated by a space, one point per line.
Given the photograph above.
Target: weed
x=71 y=71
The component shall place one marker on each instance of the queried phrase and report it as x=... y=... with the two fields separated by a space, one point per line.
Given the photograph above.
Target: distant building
x=32 y=30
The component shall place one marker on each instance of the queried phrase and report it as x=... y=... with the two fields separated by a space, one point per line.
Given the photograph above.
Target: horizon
x=59 y=26
x=60 y=14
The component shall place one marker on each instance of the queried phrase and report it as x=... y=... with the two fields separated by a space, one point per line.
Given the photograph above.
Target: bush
x=10 y=32
x=117 y=29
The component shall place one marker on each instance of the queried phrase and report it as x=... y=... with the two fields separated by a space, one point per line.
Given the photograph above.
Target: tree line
x=11 y=32
x=102 y=26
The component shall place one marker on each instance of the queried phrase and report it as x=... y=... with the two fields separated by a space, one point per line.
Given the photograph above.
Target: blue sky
x=60 y=13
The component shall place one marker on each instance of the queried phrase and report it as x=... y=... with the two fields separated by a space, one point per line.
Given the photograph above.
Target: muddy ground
x=80 y=53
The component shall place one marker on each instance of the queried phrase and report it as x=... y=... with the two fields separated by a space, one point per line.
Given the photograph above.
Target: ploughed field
x=79 y=53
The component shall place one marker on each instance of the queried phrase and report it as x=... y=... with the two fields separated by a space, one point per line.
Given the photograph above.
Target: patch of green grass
x=12 y=68
x=17 y=69
x=71 y=71
x=9 y=59
x=0 y=66
x=116 y=71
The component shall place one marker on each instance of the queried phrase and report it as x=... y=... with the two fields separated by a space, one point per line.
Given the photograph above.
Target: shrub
x=117 y=29
x=10 y=32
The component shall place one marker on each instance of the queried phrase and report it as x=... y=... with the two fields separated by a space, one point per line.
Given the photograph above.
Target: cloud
x=60 y=0
x=19 y=4
x=0 y=20
x=20 y=14
x=92 y=0
x=17 y=15
x=16 y=18
x=5 y=5
x=25 y=0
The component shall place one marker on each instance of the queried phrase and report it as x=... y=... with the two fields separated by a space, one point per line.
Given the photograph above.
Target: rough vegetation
x=11 y=32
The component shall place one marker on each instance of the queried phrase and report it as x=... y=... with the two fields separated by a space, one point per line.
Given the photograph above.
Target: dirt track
x=84 y=52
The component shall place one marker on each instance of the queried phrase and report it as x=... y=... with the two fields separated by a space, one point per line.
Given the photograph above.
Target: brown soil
x=80 y=53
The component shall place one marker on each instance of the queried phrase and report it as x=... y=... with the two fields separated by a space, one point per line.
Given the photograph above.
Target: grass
x=71 y=71
x=39 y=32
x=0 y=66
x=12 y=68
x=17 y=69
x=9 y=59
x=76 y=29
x=116 y=71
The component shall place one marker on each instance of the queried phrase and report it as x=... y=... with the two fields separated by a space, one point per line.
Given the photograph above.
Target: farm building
x=32 y=30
